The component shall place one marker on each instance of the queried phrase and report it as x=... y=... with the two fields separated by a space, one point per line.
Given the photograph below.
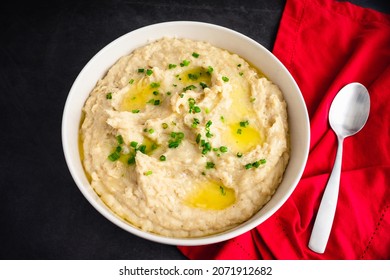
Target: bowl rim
x=68 y=118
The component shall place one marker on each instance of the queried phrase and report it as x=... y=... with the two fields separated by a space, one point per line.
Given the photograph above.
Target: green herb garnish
x=203 y=85
x=163 y=158
x=195 y=122
x=244 y=123
x=149 y=72
x=114 y=156
x=176 y=138
x=119 y=138
x=223 y=149
x=190 y=87
x=185 y=63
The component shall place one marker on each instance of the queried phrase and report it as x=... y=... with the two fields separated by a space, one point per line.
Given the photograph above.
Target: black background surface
x=45 y=44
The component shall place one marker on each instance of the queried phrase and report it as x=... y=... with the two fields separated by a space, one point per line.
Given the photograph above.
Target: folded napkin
x=325 y=45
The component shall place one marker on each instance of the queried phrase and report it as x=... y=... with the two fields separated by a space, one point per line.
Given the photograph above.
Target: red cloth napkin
x=325 y=45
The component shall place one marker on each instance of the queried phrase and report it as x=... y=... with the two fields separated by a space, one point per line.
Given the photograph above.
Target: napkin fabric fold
x=325 y=45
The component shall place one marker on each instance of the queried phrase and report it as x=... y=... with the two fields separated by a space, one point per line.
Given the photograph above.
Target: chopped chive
x=119 y=138
x=154 y=146
x=210 y=70
x=244 y=123
x=151 y=131
x=141 y=70
x=206 y=148
x=149 y=72
x=168 y=93
x=239 y=65
x=248 y=166
x=240 y=73
x=163 y=158
x=142 y=148
x=198 y=138
x=222 y=189
x=210 y=165
x=164 y=125
x=131 y=81
x=223 y=149
x=185 y=63
x=225 y=79
x=109 y=95
x=134 y=144
x=154 y=85
x=171 y=66
x=135 y=111
x=131 y=159
x=156 y=102
x=149 y=172
x=190 y=87
x=263 y=161
x=209 y=134
x=255 y=164
x=239 y=154
x=252 y=99
x=195 y=123
x=193 y=77
x=114 y=156
x=194 y=54
x=155 y=92
x=222 y=119
x=239 y=131
x=203 y=85
x=173 y=144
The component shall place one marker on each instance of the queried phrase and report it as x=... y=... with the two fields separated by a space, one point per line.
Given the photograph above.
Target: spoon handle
x=324 y=220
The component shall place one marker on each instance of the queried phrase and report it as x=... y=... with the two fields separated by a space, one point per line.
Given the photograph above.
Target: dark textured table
x=45 y=44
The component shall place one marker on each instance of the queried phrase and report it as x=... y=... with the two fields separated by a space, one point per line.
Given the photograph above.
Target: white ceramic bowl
x=221 y=37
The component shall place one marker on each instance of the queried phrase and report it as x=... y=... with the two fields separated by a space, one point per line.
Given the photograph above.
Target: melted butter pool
x=242 y=139
x=235 y=136
x=139 y=95
x=211 y=196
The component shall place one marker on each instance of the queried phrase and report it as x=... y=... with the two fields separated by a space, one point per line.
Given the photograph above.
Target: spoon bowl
x=349 y=110
x=347 y=116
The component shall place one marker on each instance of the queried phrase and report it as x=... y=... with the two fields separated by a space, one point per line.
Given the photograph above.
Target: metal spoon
x=348 y=114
